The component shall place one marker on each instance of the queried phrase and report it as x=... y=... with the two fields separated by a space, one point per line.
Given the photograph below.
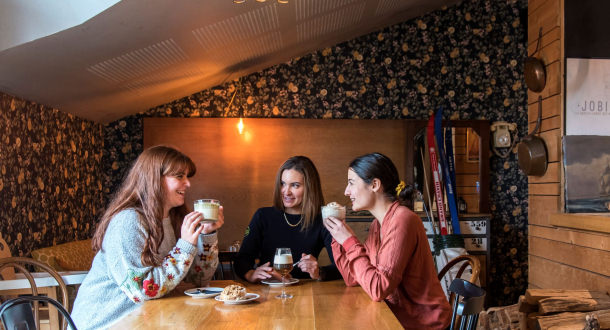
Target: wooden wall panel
x=240 y=170
x=552 y=139
x=541 y=207
x=577 y=237
x=552 y=175
x=593 y=260
x=560 y=258
x=548 y=274
x=548 y=53
x=546 y=16
x=551 y=107
x=544 y=189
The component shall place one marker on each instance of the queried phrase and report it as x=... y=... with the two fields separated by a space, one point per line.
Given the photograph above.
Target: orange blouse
x=398 y=269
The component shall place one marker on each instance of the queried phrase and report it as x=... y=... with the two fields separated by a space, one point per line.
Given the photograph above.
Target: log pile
x=565 y=309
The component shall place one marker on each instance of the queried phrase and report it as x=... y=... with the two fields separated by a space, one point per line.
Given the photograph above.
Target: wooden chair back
x=5 y=252
x=465 y=261
x=21 y=264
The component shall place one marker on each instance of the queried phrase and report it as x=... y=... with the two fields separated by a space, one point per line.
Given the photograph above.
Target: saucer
x=199 y=293
x=274 y=282
x=248 y=298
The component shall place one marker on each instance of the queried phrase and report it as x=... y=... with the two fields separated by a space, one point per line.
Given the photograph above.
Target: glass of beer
x=282 y=263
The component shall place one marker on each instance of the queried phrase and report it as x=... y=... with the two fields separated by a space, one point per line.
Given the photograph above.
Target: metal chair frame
x=26 y=313
x=19 y=264
x=469 y=307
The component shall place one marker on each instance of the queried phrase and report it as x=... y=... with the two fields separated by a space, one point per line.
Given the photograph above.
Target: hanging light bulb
x=240 y=125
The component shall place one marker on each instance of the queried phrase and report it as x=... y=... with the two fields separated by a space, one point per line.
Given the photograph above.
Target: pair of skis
x=442 y=164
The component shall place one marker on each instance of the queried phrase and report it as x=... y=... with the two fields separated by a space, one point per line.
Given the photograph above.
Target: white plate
x=199 y=293
x=274 y=282
x=249 y=297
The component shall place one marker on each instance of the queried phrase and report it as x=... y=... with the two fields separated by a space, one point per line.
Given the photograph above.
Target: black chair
x=17 y=314
x=24 y=265
x=471 y=304
x=225 y=258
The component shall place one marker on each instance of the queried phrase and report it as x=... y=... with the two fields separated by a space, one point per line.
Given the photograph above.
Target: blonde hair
x=142 y=190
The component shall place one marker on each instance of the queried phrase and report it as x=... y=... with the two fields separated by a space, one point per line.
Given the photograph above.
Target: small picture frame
x=472 y=146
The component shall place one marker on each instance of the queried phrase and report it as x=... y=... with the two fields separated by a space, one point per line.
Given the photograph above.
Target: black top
x=268 y=230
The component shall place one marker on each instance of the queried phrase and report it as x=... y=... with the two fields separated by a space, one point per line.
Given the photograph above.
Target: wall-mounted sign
x=588 y=96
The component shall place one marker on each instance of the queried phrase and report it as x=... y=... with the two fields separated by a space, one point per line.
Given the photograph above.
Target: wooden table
x=316 y=305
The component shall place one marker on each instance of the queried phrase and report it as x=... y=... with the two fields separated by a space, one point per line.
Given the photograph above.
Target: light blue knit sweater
x=118 y=282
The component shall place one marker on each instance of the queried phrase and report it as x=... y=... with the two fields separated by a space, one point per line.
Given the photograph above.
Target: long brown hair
x=313 y=199
x=142 y=190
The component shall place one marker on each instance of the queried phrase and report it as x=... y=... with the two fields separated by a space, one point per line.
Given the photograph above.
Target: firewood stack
x=565 y=309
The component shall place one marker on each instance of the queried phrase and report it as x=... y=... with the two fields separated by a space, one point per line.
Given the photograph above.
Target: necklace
x=291 y=225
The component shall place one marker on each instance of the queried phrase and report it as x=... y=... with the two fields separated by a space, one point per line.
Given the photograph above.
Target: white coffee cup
x=209 y=208
x=335 y=210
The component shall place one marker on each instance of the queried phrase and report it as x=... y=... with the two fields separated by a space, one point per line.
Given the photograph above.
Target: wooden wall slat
x=464 y=167
x=546 y=16
x=534 y=4
x=541 y=207
x=546 y=124
x=547 y=53
x=576 y=237
x=551 y=107
x=547 y=39
x=466 y=179
x=552 y=175
x=552 y=139
x=548 y=274
x=594 y=260
x=466 y=190
x=544 y=189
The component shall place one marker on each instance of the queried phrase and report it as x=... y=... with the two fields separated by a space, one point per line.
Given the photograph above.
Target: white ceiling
x=138 y=54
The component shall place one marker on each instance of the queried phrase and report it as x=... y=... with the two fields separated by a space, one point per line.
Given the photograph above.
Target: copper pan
x=534 y=70
x=531 y=152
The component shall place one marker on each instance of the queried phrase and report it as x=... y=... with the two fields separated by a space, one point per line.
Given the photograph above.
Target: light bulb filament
x=240 y=126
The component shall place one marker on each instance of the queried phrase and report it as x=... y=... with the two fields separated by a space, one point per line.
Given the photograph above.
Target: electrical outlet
x=502 y=133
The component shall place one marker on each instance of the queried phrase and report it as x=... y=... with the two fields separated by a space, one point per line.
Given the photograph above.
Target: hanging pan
x=535 y=73
x=531 y=151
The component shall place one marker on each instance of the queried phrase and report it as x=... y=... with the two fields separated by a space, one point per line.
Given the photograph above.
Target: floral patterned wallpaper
x=50 y=178
x=467 y=58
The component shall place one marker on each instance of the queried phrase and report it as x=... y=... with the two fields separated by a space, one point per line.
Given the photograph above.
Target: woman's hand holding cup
x=338 y=229
x=190 y=229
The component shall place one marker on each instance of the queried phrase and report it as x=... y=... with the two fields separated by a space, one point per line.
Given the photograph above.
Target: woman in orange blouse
x=394 y=263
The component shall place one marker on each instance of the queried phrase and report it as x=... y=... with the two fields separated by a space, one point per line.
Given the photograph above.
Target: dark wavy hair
x=376 y=165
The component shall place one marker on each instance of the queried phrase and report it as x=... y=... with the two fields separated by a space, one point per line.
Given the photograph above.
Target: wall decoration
x=587 y=96
x=587 y=173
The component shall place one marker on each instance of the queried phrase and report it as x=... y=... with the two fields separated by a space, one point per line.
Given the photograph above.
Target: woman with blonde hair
x=147 y=241
x=394 y=264
x=294 y=222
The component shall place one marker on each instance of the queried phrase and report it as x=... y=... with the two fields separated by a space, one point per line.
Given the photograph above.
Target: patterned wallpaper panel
x=467 y=58
x=50 y=178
